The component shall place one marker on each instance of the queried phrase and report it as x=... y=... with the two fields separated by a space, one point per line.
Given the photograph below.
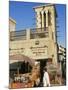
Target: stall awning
x=21 y=58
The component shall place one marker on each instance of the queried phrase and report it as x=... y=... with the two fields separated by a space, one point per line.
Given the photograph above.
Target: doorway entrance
x=43 y=63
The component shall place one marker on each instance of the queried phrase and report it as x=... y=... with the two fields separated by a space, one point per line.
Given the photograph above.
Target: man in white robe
x=46 y=81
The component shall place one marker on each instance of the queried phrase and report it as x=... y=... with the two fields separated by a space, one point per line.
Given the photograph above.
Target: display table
x=21 y=85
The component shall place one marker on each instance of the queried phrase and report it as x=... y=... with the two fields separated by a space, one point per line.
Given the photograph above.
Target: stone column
x=46 y=12
x=42 y=19
x=38 y=20
x=28 y=34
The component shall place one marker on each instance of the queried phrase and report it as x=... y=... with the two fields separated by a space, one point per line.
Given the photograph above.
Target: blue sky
x=24 y=15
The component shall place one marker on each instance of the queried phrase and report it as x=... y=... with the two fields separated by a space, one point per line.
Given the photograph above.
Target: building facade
x=62 y=61
x=39 y=43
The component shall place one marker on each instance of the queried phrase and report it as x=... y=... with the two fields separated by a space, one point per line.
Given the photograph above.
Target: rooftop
x=46 y=5
x=12 y=20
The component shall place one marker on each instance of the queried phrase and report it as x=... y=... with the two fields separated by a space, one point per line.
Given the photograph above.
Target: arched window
x=44 y=21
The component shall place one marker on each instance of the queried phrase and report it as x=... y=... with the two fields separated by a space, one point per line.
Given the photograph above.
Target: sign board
x=39 y=52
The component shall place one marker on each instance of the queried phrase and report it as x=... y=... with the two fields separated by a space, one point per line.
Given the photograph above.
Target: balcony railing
x=18 y=35
x=34 y=33
x=38 y=33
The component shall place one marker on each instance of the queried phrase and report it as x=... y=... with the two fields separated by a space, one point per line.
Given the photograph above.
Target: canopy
x=21 y=58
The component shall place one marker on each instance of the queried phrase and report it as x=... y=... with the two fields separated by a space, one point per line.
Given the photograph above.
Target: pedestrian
x=46 y=80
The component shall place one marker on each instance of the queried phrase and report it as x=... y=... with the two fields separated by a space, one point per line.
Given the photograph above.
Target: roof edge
x=12 y=20
x=46 y=5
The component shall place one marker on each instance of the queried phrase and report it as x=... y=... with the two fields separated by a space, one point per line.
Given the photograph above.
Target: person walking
x=46 y=80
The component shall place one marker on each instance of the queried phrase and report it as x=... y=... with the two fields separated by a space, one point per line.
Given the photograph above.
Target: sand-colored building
x=39 y=43
x=12 y=24
x=62 y=60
